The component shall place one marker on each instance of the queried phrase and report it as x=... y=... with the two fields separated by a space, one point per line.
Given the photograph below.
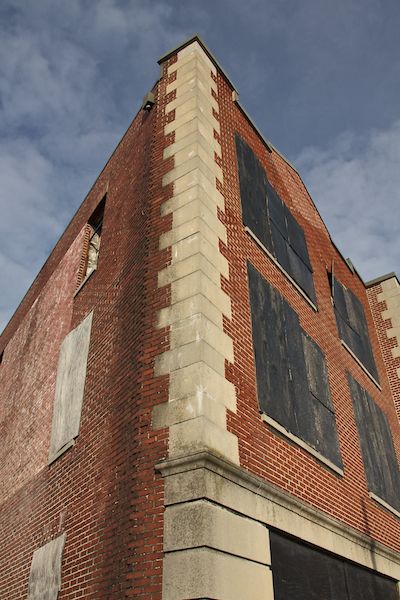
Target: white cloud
x=68 y=71
x=356 y=186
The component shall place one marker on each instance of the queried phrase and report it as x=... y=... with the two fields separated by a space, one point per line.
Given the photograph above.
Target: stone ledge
x=205 y=475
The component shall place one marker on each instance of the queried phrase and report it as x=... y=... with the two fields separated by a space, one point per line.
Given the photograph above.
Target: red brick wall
x=386 y=344
x=262 y=451
x=27 y=376
x=104 y=492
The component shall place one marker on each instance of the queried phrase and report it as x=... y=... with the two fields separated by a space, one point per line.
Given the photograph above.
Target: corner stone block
x=204 y=573
x=185 y=409
x=195 y=352
x=201 y=380
x=201 y=434
x=197 y=328
x=196 y=524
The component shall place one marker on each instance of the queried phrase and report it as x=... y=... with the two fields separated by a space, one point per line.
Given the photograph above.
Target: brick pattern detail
x=195 y=362
x=264 y=451
x=103 y=493
x=384 y=299
x=171 y=371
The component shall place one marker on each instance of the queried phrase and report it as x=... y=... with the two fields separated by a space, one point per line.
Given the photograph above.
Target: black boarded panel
x=277 y=210
x=352 y=326
x=253 y=193
x=321 y=432
x=369 y=450
x=280 y=248
x=316 y=371
x=389 y=467
x=340 y=300
x=302 y=573
x=357 y=314
x=298 y=373
x=269 y=341
x=365 y=585
x=378 y=453
x=302 y=275
x=297 y=239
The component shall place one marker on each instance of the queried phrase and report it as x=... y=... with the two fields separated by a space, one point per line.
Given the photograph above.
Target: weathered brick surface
x=105 y=492
x=262 y=451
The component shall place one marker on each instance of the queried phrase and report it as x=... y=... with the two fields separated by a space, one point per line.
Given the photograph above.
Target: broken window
x=352 y=325
x=95 y=225
x=270 y=220
x=45 y=575
x=292 y=379
x=377 y=448
x=70 y=384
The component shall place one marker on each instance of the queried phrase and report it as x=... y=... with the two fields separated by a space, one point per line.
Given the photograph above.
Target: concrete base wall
x=216 y=531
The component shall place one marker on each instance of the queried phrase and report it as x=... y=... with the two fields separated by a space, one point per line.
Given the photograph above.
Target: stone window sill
x=286 y=274
x=299 y=442
x=384 y=504
x=61 y=451
x=358 y=361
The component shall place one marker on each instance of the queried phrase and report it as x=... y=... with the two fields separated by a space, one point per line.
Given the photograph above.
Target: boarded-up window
x=71 y=374
x=45 y=575
x=292 y=380
x=301 y=572
x=270 y=220
x=352 y=325
x=378 y=452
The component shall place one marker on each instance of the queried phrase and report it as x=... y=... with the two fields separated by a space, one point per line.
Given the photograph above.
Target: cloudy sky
x=321 y=78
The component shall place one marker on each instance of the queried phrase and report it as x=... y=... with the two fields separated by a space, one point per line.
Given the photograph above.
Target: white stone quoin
x=199 y=392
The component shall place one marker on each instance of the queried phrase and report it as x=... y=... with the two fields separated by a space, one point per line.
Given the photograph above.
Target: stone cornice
x=245 y=479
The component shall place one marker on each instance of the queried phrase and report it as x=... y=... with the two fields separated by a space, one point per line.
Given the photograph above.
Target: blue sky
x=320 y=78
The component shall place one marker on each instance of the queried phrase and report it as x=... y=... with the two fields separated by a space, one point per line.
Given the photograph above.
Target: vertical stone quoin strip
x=199 y=393
x=209 y=552
x=384 y=298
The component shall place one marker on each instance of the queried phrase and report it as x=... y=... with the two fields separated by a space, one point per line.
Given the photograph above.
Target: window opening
x=95 y=225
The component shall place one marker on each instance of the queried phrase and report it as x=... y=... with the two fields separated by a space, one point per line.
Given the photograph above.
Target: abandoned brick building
x=200 y=397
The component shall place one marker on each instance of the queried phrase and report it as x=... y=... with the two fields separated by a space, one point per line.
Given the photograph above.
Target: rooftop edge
x=382 y=278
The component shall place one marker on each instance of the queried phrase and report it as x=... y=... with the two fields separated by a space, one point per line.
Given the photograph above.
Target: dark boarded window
x=304 y=573
x=379 y=456
x=270 y=220
x=292 y=380
x=352 y=325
